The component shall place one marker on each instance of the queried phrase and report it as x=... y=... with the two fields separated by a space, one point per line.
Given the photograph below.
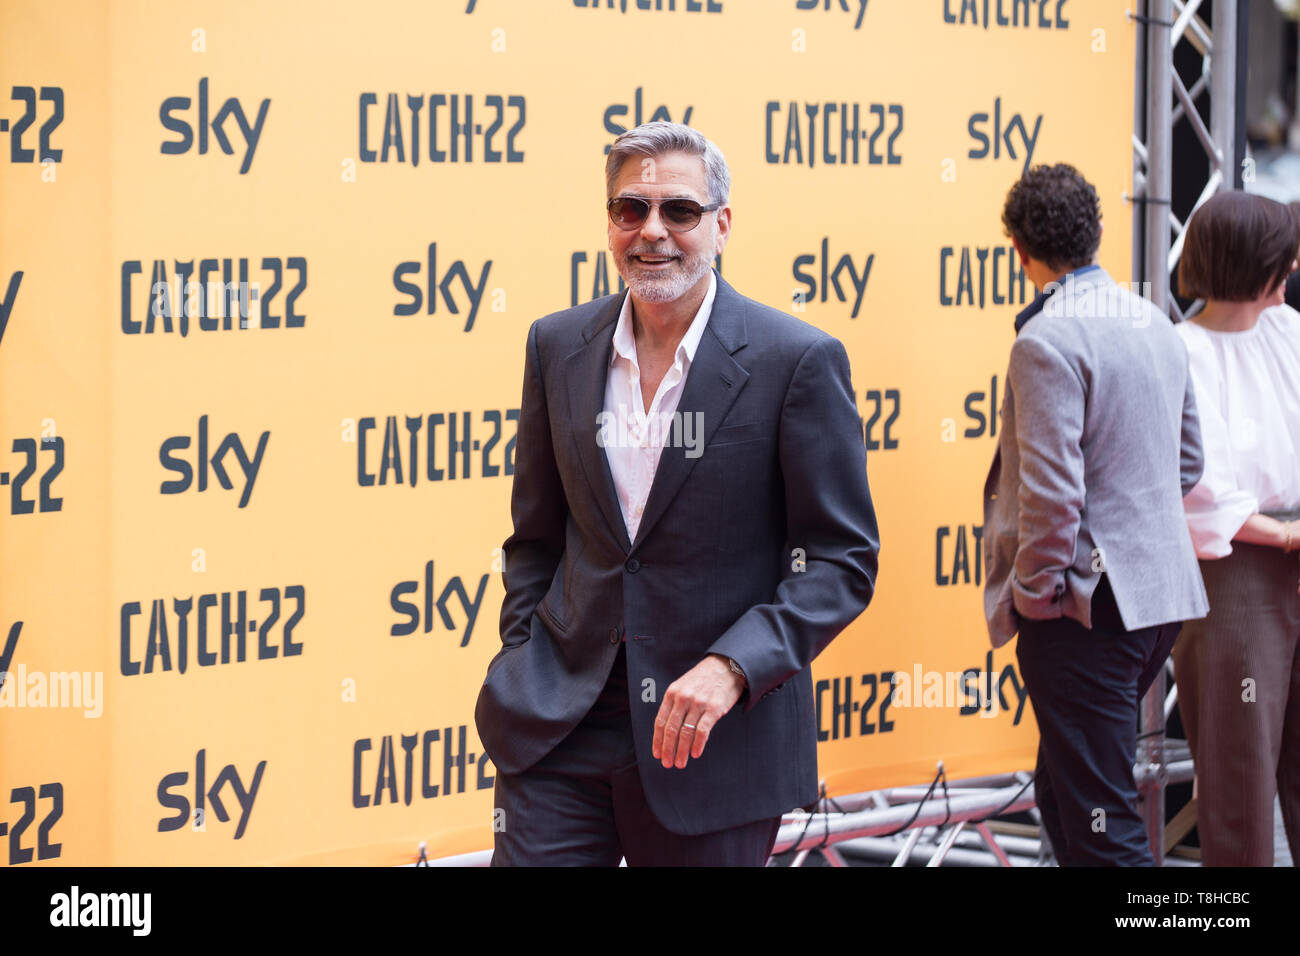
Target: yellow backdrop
x=249 y=574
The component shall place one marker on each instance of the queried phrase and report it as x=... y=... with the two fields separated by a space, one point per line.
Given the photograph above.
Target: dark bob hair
x=1238 y=247
x=1055 y=214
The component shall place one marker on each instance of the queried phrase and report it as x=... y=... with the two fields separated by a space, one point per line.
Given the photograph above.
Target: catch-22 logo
x=1006 y=13
x=18 y=128
x=838 y=139
x=442 y=128
x=235 y=622
x=655 y=6
x=443 y=440
x=215 y=293
x=981 y=275
x=455 y=755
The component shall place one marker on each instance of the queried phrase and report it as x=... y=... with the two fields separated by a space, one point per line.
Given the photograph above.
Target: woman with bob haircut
x=1238 y=670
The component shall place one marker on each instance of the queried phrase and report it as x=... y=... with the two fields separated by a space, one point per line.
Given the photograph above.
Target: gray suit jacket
x=711 y=570
x=1100 y=441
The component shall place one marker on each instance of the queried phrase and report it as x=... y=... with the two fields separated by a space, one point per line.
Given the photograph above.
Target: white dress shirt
x=1248 y=397
x=634 y=436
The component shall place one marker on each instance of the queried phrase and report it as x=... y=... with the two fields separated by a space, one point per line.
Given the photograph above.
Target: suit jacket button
x=632 y=565
x=613 y=635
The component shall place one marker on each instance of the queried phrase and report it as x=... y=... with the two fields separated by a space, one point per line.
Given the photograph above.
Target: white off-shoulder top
x=1247 y=387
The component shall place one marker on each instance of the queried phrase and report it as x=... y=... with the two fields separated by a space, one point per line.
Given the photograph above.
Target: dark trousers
x=1238 y=674
x=583 y=804
x=1086 y=686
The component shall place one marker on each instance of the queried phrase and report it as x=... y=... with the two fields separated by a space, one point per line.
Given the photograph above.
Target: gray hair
x=657 y=138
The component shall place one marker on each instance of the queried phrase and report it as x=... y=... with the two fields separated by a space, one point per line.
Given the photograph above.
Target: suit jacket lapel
x=712 y=384
x=587 y=372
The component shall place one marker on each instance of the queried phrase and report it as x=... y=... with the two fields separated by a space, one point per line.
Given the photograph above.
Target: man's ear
x=724 y=230
x=1020 y=251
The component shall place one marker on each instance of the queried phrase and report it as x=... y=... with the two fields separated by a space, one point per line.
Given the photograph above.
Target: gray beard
x=666 y=288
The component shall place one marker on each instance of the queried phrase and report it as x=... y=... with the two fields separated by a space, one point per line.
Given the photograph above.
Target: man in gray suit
x=1088 y=552
x=692 y=526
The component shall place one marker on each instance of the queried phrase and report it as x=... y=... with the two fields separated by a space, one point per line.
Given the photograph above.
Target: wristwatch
x=736 y=669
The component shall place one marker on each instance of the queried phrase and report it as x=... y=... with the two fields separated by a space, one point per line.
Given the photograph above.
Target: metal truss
x=954 y=823
x=1158 y=243
x=957 y=824
x=900 y=824
x=1157 y=231
x=930 y=825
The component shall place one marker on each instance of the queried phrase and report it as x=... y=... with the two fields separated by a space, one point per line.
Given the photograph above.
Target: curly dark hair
x=1055 y=214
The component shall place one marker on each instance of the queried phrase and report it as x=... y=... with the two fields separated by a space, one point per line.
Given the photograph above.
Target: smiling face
x=660 y=265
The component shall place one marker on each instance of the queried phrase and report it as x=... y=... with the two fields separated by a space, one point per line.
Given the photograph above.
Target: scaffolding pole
x=1166 y=24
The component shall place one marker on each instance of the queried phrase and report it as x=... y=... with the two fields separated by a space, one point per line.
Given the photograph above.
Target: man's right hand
x=692 y=705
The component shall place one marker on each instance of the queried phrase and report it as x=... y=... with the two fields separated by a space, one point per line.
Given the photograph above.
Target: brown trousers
x=1238 y=675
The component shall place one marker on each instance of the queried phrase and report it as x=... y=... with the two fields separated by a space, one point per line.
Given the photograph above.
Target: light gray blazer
x=1100 y=441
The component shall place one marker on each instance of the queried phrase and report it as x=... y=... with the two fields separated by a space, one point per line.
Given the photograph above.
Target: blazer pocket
x=549 y=616
x=570 y=564
x=735 y=434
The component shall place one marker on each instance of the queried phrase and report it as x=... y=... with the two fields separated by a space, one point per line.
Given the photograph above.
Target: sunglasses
x=679 y=215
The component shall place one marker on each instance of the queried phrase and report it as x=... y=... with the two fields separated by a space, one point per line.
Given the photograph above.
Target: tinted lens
x=681 y=213
x=628 y=212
